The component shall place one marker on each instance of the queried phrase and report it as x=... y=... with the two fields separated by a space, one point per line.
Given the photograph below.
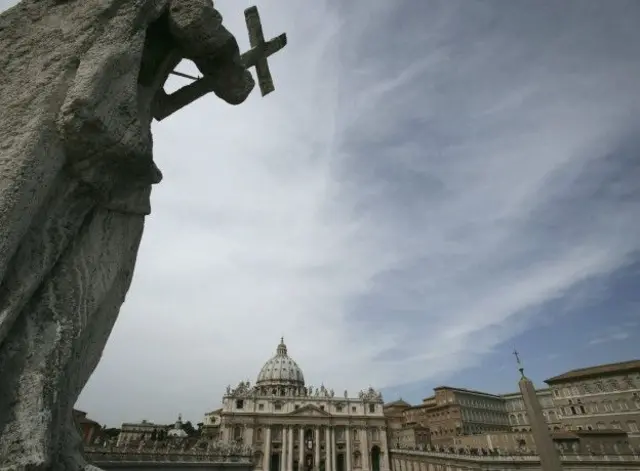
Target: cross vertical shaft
x=261 y=50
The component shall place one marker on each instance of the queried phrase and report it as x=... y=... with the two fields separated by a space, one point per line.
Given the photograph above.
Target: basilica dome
x=281 y=370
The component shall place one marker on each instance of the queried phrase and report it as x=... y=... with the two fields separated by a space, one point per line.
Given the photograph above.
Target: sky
x=432 y=185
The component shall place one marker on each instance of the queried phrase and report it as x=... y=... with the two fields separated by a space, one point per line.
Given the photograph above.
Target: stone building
x=597 y=442
x=291 y=426
x=396 y=420
x=90 y=430
x=132 y=433
x=517 y=412
x=211 y=424
x=456 y=411
x=502 y=442
x=599 y=398
x=406 y=425
x=412 y=436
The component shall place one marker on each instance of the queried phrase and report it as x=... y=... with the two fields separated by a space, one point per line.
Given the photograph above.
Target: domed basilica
x=294 y=427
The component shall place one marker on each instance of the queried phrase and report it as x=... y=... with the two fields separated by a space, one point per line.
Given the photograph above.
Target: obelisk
x=549 y=458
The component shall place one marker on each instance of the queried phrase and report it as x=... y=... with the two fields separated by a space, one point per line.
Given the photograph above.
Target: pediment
x=309 y=411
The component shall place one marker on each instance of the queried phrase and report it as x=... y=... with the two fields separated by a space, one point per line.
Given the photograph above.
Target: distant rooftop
x=518 y=393
x=622 y=367
x=470 y=391
x=398 y=403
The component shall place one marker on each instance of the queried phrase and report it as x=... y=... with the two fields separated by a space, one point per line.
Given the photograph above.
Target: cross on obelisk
x=259 y=52
x=517 y=355
x=520 y=367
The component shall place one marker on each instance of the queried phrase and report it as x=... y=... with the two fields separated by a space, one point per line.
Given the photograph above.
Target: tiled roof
x=519 y=394
x=600 y=370
x=471 y=391
x=397 y=403
x=84 y=420
x=422 y=406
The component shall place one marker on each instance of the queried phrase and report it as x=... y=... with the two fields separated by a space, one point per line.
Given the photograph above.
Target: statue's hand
x=231 y=83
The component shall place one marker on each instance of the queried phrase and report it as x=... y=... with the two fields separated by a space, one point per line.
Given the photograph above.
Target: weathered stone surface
x=80 y=81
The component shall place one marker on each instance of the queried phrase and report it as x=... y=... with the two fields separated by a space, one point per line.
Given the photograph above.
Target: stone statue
x=346 y=394
x=81 y=82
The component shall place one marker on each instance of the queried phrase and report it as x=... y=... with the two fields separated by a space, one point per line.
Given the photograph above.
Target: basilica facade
x=294 y=427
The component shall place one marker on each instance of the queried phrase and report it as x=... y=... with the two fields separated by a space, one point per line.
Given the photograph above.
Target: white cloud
x=611 y=337
x=406 y=189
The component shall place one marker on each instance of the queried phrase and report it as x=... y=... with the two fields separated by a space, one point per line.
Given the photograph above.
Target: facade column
x=266 y=459
x=334 y=456
x=301 y=446
x=248 y=435
x=283 y=455
x=290 y=450
x=385 y=465
x=364 y=440
x=327 y=449
x=317 y=440
x=348 y=457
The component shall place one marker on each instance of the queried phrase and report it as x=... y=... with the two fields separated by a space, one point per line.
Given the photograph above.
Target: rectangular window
x=278 y=406
x=338 y=408
x=372 y=408
x=239 y=404
x=353 y=409
x=260 y=406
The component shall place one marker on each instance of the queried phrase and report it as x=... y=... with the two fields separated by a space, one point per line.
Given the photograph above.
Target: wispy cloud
x=612 y=337
x=426 y=175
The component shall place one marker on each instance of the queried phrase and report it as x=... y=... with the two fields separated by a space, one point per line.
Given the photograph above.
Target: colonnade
x=330 y=454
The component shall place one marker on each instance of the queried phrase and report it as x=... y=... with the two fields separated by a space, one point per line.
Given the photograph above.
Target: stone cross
x=258 y=54
x=261 y=50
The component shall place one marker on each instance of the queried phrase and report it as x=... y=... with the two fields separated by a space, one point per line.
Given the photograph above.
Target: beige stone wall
x=421 y=461
x=412 y=436
x=509 y=442
x=517 y=413
x=130 y=433
x=600 y=403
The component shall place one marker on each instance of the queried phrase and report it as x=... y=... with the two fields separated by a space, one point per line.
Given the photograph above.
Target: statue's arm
x=197 y=28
